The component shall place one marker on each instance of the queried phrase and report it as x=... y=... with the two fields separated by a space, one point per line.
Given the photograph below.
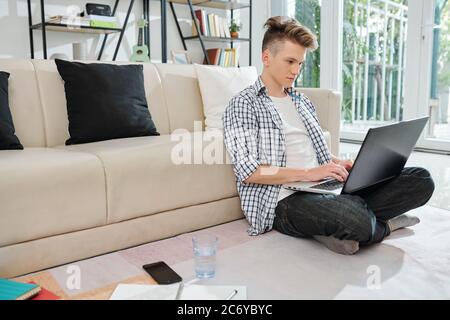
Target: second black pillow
x=105 y=101
x=8 y=138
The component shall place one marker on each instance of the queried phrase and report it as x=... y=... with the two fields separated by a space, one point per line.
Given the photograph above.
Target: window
x=307 y=12
x=440 y=73
x=373 y=62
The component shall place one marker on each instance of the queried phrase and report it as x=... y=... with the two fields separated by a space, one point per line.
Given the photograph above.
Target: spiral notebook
x=170 y=292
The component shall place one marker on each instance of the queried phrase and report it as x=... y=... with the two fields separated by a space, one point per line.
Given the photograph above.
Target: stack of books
x=13 y=290
x=103 y=21
x=94 y=21
x=228 y=57
x=70 y=20
x=211 y=25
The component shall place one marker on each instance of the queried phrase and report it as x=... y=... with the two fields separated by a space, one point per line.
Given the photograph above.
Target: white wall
x=14 y=38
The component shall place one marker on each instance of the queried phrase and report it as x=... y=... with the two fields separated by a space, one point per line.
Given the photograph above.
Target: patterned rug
x=411 y=263
x=100 y=275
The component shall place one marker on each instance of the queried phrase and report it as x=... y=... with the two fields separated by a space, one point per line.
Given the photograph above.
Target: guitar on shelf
x=140 y=51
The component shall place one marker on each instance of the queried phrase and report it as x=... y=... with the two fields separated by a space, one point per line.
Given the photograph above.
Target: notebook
x=45 y=294
x=13 y=290
x=169 y=292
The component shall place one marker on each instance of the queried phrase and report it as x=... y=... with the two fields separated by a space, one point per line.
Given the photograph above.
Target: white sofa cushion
x=49 y=191
x=217 y=86
x=181 y=95
x=142 y=178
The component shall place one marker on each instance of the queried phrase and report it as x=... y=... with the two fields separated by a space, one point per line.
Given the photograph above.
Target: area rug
x=411 y=263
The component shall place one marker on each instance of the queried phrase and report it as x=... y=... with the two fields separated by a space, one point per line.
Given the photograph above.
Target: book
x=101 y=18
x=200 y=14
x=69 y=20
x=217 y=26
x=88 y=21
x=174 y=291
x=211 y=25
x=45 y=294
x=213 y=55
x=13 y=290
x=104 y=24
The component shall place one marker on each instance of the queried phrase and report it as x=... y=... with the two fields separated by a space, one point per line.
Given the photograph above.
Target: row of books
x=228 y=57
x=95 y=21
x=211 y=25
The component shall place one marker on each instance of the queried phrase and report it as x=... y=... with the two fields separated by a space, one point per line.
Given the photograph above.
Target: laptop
x=382 y=157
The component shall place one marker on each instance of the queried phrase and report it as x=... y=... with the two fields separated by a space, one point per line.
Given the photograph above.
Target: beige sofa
x=65 y=203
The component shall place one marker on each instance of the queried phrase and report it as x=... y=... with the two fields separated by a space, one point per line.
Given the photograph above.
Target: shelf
x=218 y=39
x=203 y=39
x=217 y=4
x=75 y=28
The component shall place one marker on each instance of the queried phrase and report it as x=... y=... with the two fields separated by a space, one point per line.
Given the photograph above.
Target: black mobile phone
x=162 y=273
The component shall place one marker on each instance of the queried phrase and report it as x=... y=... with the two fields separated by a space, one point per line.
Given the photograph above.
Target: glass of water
x=205 y=247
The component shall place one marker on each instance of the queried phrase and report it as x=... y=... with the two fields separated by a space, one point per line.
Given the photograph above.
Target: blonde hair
x=280 y=29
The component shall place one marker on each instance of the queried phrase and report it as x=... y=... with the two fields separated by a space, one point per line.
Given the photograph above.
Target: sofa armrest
x=328 y=108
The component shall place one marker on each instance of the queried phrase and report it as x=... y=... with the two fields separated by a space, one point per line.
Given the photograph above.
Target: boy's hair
x=280 y=29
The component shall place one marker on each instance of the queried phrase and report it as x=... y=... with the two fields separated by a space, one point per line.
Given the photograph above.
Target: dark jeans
x=359 y=217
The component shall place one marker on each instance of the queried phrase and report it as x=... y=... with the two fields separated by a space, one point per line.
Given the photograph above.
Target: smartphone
x=162 y=273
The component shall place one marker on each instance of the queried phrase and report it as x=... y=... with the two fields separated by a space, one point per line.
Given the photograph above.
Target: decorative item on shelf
x=140 y=51
x=235 y=28
x=61 y=56
x=79 y=51
x=180 y=57
x=98 y=9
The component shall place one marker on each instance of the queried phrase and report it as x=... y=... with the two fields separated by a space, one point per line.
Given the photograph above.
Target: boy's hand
x=347 y=164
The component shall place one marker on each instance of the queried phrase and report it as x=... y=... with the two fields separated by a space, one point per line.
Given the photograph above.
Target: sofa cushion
x=51 y=93
x=24 y=102
x=105 y=101
x=217 y=86
x=45 y=192
x=8 y=139
x=143 y=176
x=182 y=96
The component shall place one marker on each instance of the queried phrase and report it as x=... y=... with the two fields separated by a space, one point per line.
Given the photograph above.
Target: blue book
x=13 y=290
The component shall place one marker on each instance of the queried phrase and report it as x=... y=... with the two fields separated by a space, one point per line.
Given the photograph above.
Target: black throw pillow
x=105 y=101
x=8 y=139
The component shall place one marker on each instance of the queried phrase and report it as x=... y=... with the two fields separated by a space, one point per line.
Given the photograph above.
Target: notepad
x=13 y=290
x=169 y=292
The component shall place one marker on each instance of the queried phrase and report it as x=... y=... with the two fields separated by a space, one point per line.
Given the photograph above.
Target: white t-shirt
x=300 y=151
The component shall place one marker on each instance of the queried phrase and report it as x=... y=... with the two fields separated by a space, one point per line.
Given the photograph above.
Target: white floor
x=411 y=263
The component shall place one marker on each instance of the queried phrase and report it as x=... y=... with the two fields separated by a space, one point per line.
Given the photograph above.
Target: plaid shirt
x=253 y=135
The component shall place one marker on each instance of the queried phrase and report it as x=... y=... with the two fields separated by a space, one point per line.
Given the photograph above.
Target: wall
x=14 y=38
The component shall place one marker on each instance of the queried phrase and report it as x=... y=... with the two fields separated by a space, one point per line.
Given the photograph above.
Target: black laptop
x=382 y=157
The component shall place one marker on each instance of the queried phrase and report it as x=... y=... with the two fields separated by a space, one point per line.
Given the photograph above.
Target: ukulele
x=140 y=51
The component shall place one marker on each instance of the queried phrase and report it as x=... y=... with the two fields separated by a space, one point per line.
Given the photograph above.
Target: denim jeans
x=361 y=217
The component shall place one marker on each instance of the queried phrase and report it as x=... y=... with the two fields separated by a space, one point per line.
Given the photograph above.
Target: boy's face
x=285 y=64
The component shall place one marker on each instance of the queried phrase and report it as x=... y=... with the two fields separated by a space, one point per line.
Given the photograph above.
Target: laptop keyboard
x=329 y=185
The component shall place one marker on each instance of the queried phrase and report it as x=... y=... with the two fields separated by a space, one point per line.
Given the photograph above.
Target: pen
x=232 y=294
